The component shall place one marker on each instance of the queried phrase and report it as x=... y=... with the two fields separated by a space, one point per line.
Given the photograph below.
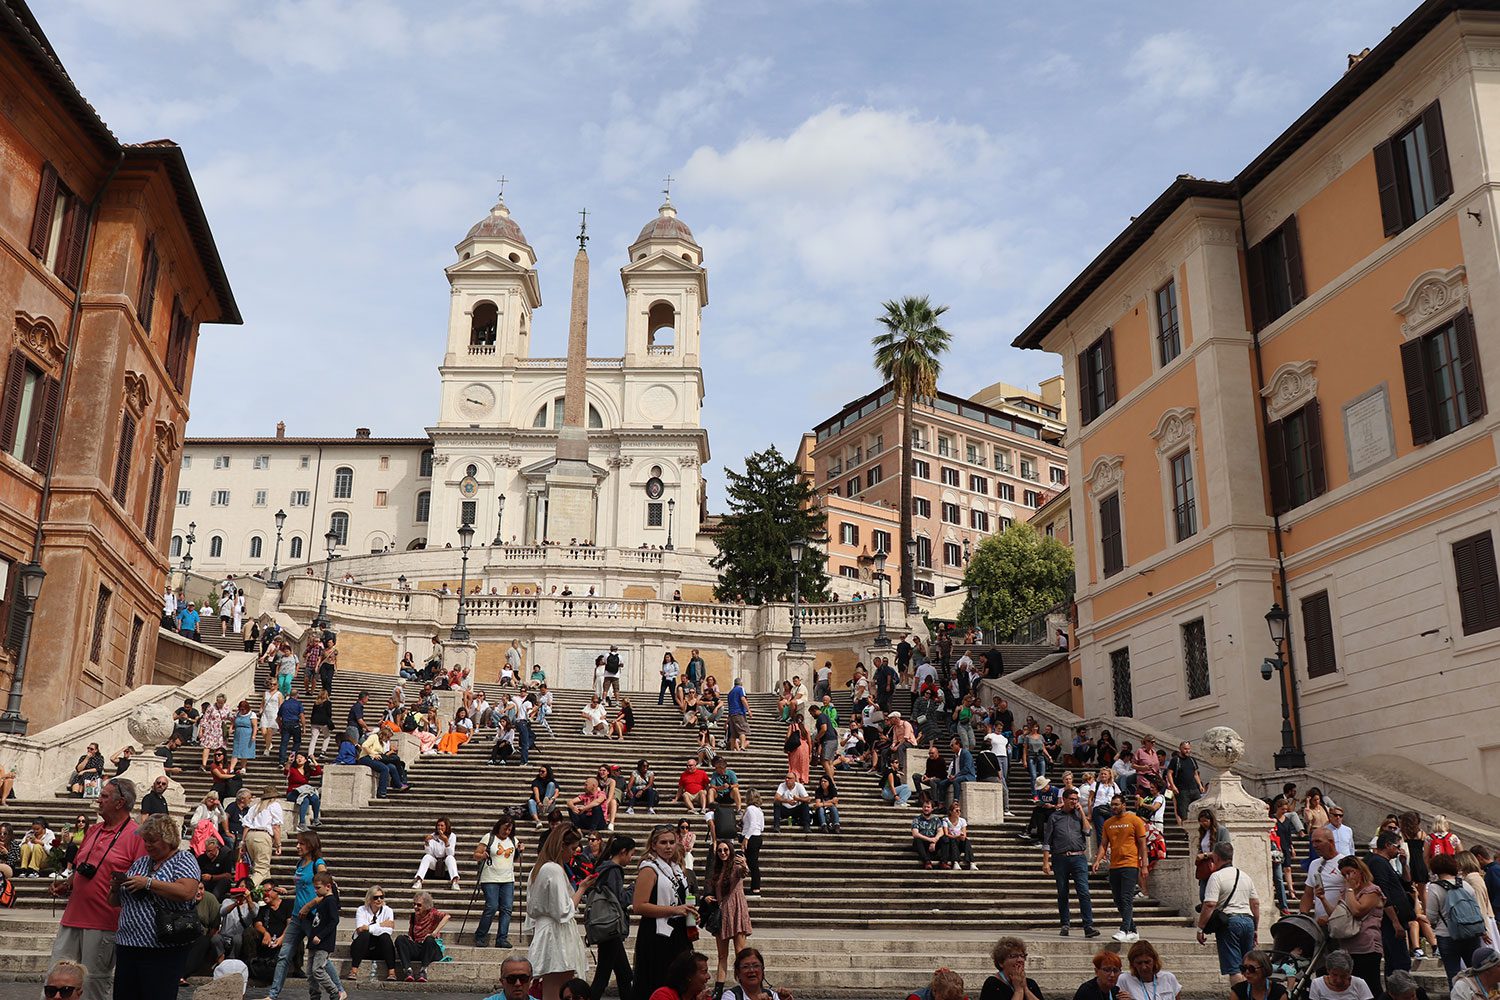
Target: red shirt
x=693 y=781
x=88 y=905
x=423 y=925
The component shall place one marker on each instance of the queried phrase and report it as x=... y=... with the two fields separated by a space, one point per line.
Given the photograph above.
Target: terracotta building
x=108 y=271
x=1281 y=398
x=976 y=468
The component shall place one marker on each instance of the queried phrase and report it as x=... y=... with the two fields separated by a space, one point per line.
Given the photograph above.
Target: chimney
x=281 y=428
x=1355 y=58
x=361 y=432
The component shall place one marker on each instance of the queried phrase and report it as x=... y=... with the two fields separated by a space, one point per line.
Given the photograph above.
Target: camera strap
x=118 y=833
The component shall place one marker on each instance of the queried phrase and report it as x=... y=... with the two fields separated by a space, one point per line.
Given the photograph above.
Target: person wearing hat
x=1045 y=801
x=1481 y=978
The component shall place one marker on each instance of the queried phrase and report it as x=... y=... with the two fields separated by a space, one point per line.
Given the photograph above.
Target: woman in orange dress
x=798 y=750
x=456 y=737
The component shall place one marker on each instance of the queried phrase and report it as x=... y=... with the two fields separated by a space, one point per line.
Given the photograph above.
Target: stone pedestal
x=145 y=768
x=460 y=653
x=916 y=761
x=407 y=747
x=791 y=664
x=347 y=787
x=1244 y=816
x=984 y=804
x=448 y=702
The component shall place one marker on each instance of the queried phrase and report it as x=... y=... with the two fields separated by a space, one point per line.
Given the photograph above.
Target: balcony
x=481 y=348
x=660 y=350
x=1030 y=475
x=946 y=450
x=1005 y=467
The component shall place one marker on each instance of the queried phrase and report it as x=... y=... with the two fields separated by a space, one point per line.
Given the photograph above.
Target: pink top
x=88 y=904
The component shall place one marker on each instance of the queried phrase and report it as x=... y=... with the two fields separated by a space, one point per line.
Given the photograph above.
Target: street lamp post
x=795 y=643
x=460 y=631
x=974 y=612
x=276 y=557
x=11 y=720
x=911 y=565
x=500 y=524
x=323 y=621
x=1290 y=756
x=671 y=512
x=881 y=639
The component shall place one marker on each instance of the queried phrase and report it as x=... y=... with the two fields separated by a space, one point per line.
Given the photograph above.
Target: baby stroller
x=1297 y=944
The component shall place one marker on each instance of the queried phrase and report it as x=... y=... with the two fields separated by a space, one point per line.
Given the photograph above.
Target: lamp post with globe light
x=460 y=631
x=1290 y=756
x=882 y=640
x=330 y=537
x=276 y=556
x=796 y=643
x=11 y=720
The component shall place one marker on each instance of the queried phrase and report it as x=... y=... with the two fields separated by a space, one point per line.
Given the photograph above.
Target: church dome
x=498 y=225
x=666 y=226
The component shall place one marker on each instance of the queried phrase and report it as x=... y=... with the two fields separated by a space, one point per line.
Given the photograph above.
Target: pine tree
x=770 y=504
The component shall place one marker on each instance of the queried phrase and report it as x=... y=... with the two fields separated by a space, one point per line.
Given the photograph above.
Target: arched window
x=596 y=422
x=343 y=483
x=482 y=329
x=424 y=506
x=296 y=549
x=216 y=547
x=176 y=549
x=661 y=325
x=255 y=544
x=426 y=469
x=339 y=525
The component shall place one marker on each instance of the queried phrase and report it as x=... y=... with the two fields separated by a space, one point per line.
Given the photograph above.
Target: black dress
x=1275 y=991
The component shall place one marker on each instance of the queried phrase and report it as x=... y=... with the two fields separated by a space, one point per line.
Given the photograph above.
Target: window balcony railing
x=1031 y=475
x=1004 y=467
x=660 y=350
x=481 y=348
x=946 y=450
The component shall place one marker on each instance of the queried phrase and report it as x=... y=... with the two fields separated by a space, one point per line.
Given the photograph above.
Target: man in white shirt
x=822 y=681
x=792 y=800
x=1325 y=884
x=926 y=672
x=1230 y=892
x=1343 y=836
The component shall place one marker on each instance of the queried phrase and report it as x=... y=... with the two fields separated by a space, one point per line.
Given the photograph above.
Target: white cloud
x=1174 y=67
x=666 y=17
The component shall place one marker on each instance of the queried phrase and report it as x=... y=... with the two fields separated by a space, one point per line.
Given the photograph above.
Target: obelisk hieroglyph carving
x=572 y=483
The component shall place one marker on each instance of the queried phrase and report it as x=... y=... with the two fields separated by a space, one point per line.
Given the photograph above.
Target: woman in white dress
x=270 y=709
x=556 y=953
x=239 y=614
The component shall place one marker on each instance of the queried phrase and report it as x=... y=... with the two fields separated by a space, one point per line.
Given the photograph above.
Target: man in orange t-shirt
x=1123 y=836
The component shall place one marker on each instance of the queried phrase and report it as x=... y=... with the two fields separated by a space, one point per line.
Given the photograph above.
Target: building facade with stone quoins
x=108 y=269
x=1282 y=395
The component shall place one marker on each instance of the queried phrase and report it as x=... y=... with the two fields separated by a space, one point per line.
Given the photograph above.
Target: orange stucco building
x=108 y=268
x=1282 y=386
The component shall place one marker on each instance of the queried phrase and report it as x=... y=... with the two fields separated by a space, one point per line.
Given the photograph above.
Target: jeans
x=291 y=943
x=942 y=786
x=798 y=812
x=383 y=774
x=643 y=797
x=1456 y=952
x=612 y=959
x=541 y=716
x=966 y=735
x=1122 y=884
x=291 y=739
x=1073 y=867
x=1036 y=766
x=1393 y=943
x=668 y=688
x=148 y=973
x=828 y=815
x=312 y=801
x=900 y=796
x=1278 y=875
x=752 y=860
x=533 y=807
x=525 y=739
x=498 y=897
x=321 y=979
x=959 y=851
x=1235 y=940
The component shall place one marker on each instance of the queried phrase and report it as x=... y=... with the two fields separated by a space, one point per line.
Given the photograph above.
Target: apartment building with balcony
x=1281 y=397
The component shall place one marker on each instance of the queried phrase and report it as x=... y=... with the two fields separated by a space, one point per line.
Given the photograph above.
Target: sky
x=829 y=155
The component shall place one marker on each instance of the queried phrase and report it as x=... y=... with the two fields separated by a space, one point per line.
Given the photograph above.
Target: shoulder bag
x=1342 y=923
x=1218 y=920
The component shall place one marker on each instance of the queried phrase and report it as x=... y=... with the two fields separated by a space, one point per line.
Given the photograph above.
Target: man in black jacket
x=1398 y=905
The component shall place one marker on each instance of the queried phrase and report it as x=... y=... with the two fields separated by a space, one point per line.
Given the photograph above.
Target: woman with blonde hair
x=1443 y=839
x=661 y=899
x=162 y=883
x=374 y=932
x=556 y=954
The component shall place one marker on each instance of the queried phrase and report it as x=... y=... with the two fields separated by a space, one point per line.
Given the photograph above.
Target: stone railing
x=562 y=363
x=349 y=595
x=496 y=565
x=661 y=350
x=481 y=348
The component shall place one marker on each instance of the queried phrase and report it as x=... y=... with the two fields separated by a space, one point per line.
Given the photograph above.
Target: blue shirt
x=737 y=704
x=189 y=621
x=304 y=876
x=291 y=711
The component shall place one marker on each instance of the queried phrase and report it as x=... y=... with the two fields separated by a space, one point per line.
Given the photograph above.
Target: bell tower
x=666 y=289
x=494 y=291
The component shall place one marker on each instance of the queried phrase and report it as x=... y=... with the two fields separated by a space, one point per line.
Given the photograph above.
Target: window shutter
x=146 y=301
x=1107 y=355
x=1417 y=407
x=1478 y=583
x=1317 y=629
x=1313 y=421
x=15 y=625
x=153 y=502
x=51 y=397
x=1255 y=275
x=1085 y=390
x=1437 y=152
x=1291 y=243
x=1390 y=194
x=1468 y=362
x=1109 y=535
x=41 y=221
x=122 y=460
x=75 y=235
x=10 y=403
x=1281 y=488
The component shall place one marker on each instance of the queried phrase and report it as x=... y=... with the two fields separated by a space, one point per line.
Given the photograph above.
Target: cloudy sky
x=829 y=154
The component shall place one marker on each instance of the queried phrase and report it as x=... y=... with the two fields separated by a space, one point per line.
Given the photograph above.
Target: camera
x=86 y=870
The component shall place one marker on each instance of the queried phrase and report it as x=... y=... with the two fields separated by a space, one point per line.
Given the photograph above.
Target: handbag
x=1342 y=923
x=175 y=928
x=711 y=917
x=1217 y=921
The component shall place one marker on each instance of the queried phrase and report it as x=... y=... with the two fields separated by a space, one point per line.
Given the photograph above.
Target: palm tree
x=907 y=356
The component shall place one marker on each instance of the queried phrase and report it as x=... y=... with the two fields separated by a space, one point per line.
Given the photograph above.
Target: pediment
x=662 y=262
x=487 y=262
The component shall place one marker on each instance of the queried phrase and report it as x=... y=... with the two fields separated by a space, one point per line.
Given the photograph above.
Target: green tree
x=770 y=504
x=1015 y=575
x=907 y=355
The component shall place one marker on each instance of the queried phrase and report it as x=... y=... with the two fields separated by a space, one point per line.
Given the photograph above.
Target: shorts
x=739 y=726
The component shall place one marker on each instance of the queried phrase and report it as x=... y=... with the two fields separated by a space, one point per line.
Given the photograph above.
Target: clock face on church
x=476 y=400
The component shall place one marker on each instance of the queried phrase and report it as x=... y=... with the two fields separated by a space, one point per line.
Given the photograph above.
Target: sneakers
x=1121 y=935
x=1091 y=932
x=630 y=810
x=1132 y=937
x=973 y=867
x=1418 y=954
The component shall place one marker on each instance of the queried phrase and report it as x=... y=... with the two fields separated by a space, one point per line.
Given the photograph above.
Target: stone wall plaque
x=1369 y=438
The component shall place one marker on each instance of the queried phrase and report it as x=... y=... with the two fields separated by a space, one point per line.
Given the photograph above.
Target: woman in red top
x=300 y=774
x=687 y=978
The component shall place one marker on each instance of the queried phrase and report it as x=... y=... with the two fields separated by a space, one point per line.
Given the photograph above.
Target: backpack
x=1461 y=910
x=1443 y=843
x=604 y=919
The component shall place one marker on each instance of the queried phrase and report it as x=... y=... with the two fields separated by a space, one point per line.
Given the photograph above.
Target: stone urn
x=1222 y=747
x=149 y=726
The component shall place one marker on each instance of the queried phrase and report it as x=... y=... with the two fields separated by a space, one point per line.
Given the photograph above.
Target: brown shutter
x=122 y=460
x=146 y=301
x=1109 y=535
x=1107 y=353
x=1317 y=630
x=1085 y=390
x=75 y=237
x=51 y=397
x=1418 y=409
x=1312 y=415
x=15 y=624
x=1437 y=152
x=153 y=502
x=1468 y=365
x=41 y=221
x=1390 y=194
x=1255 y=275
x=10 y=402
x=1291 y=243
x=1478 y=583
x=1281 y=487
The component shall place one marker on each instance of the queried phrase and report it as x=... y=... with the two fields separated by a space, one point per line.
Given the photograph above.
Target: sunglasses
x=1250 y=967
x=61 y=991
x=519 y=977
x=376 y=898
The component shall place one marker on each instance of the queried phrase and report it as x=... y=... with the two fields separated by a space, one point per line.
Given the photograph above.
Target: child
x=322 y=913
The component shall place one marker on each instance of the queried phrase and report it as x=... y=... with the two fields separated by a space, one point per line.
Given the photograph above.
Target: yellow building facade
x=1280 y=396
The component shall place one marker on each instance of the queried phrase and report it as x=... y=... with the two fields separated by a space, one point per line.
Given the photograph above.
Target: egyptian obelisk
x=572 y=482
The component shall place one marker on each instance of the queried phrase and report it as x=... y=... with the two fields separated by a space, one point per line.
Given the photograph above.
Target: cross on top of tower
x=668 y=189
x=583 y=230
x=502 y=181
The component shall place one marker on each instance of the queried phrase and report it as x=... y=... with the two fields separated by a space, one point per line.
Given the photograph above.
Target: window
x=1005 y=523
x=880 y=541
x=1444 y=388
x=1031 y=498
x=1294 y=449
x=920 y=507
x=1058 y=476
x=137 y=624
x=950 y=514
x=873 y=475
x=971 y=452
x=654 y=517
x=953 y=555
x=854 y=485
x=1119 y=671
x=979 y=484
x=184 y=497
x=187 y=461
x=557 y=409
x=260 y=498
x=1195 y=658
x=339 y=525
x=262 y=462
x=1411 y=171
x=1096 y=377
x=920 y=469
x=424 y=506
x=833 y=491
x=1028 y=469
x=1184 y=502
x=945 y=446
x=218 y=498
x=121 y=490
x=221 y=461
x=924 y=552
x=295 y=549
x=1168 y=333
x=59 y=228
x=425 y=464
x=179 y=340
x=1478 y=583
x=1111 y=544
x=343 y=483
x=483 y=326
x=381 y=497
x=145 y=299
x=101 y=619
x=848 y=534
x=255 y=544
x=1006 y=492
x=918 y=438
x=849 y=572
x=216 y=546
x=385 y=463
x=979 y=520
x=304 y=462
x=28 y=412
x=153 y=500
x=300 y=498
x=1317 y=632
x=468 y=511
x=950 y=477
x=1275 y=271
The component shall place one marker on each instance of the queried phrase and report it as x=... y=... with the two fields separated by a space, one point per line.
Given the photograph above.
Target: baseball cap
x=1484 y=959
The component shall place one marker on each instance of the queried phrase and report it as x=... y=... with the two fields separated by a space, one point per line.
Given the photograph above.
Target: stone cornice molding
x=137 y=393
x=1289 y=389
x=1434 y=298
x=1107 y=473
x=39 y=336
x=1177 y=427
x=167 y=439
